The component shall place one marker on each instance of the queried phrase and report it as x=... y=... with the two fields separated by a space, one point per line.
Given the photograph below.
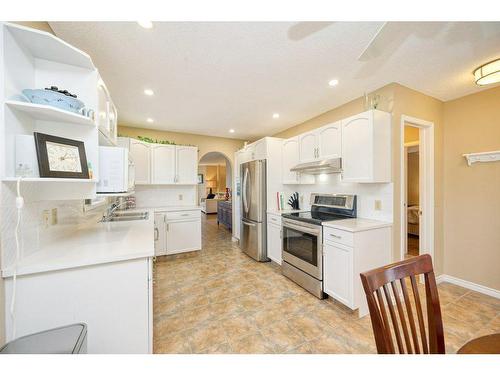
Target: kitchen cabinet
x=274 y=238
x=160 y=164
x=330 y=141
x=366 y=147
x=107 y=115
x=321 y=143
x=290 y=158
x=163 y=164
x=141 y=156
x=160 y=234
x=113 y=299
x=186 y=165
x=348 y=253
x=182 y=231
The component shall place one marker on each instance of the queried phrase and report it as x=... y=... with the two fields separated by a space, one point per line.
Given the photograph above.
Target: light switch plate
x=180 y=197
x=53 y=217
x=378 y=205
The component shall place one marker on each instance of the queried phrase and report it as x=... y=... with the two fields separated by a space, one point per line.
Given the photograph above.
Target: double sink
x=126 y=216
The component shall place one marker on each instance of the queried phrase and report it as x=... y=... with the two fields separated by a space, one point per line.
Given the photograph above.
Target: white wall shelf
x=46 y=46
x=48 y=113
x=482 y=157
x=49 y=179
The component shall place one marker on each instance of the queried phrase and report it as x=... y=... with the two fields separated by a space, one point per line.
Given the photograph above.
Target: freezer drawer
x=253 y=240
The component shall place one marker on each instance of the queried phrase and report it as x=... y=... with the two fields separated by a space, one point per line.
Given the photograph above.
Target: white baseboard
x=468 y=285
x=234 y=239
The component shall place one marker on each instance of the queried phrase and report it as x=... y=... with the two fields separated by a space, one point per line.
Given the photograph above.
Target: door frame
x=426 y=181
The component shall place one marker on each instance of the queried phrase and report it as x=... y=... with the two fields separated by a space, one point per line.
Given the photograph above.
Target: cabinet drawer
x=338 y=236
x=181 y=215
x=274 y=219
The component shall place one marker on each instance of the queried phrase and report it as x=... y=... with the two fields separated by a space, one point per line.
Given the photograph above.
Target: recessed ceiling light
x=231 y=130
x=150 y=120
x=276 y=115
x=146 y=24
x=149 y=92
x=333 y=82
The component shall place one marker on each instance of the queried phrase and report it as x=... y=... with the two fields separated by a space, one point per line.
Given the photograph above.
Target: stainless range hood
x=319 y=167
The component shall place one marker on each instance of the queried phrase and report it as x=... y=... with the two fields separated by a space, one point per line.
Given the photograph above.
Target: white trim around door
x=426 y=177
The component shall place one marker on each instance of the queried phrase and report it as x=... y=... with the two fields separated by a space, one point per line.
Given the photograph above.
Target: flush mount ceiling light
x=149 y=92
x=150 y=120
x=488 y=73
x=333 y=82
x=231 y=130
x=276 y=115
x=146 y=24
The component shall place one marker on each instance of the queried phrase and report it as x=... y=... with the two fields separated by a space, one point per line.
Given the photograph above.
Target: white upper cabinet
x=162 y=164
x=187 y=165
x=107 y=115
x=330 y=141
x=140 y=154
x=366 y=147
x=290 y=160
x=308 y=147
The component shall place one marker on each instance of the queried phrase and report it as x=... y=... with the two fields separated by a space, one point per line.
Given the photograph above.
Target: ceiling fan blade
x=379 y=41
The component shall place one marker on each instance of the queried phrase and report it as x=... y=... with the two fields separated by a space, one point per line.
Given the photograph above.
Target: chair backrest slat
x=404 y=328
x=401 y=317
x=411 y=321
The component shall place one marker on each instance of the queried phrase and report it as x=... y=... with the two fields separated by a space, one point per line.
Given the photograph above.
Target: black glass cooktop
x=315 y=217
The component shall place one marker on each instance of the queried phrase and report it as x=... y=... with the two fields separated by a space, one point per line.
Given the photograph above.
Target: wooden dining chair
x=390 y=282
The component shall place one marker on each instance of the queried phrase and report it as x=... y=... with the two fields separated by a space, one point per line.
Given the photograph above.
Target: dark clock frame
x=43 y=159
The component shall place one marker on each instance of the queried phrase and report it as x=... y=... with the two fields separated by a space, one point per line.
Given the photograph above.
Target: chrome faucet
x=111 y=210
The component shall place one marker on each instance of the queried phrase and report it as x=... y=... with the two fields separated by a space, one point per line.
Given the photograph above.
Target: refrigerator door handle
x=247 y=223
x=244 y=190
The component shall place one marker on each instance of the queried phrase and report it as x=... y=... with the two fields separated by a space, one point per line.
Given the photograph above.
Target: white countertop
x=91 y=245
x=357 y=225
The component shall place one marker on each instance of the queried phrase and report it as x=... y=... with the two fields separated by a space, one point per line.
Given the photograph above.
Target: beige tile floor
x=218 y=300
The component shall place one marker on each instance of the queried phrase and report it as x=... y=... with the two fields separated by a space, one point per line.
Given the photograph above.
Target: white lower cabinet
x=160 y=234
x=113 y=299
x=177 y=232
x=345 y=255
x=274 y=238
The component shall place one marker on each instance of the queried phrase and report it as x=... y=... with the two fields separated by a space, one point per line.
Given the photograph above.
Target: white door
x=274 y=242
x=260 y=150
x=308 y=147
x=183 y=236
x=357 y=149
x=337 y=273
x=162 y=164
x=160 y=235
x=290 y=159
x=187 y=165
x=330 y=141
x=140 y=153
x=249 y=153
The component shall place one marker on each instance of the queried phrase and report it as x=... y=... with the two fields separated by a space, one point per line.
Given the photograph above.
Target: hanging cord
x=19 y=206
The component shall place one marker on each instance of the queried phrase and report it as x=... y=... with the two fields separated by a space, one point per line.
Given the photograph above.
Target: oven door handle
x=302 y=229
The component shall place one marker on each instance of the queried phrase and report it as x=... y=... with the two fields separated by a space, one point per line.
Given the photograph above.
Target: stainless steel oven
x=303 y=254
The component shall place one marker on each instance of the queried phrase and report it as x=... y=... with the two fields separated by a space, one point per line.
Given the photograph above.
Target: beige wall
x=205 y=144
x=472 y=194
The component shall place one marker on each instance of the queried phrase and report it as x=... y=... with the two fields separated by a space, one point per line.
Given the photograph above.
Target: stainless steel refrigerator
x=253 y=240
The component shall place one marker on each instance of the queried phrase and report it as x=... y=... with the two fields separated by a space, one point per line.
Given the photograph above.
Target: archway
x=216 y=176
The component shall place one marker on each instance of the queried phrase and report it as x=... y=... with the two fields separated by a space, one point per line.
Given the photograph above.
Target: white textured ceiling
x=211 y=77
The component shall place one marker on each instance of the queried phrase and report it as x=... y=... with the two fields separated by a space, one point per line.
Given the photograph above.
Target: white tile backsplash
x=165 y=195
x=366 y=195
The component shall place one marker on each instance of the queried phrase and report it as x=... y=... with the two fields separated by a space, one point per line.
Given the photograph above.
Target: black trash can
x=70 y=339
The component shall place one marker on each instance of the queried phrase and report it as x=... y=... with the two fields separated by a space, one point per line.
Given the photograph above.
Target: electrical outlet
x=46 y=218
x=180 y=197
x=378 y=205
x=53 y=220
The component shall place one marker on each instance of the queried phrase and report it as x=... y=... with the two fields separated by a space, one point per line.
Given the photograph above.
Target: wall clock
x=60 y=157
